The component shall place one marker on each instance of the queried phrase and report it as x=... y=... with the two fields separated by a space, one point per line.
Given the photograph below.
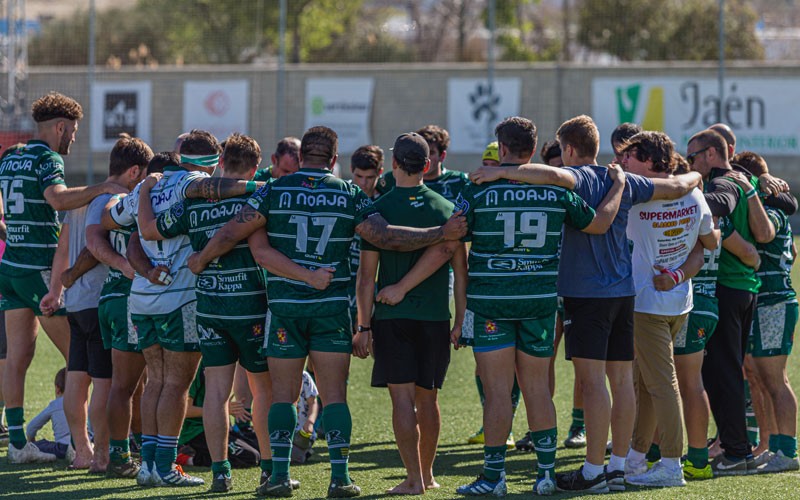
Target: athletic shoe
x=221 y=483
x=510 y=445
x=692 y=473
x=176 y=477
x=483 y=487
x=724 y=466
x=779 y=463
x=265 y=479
x=633 y=468
x=615 y=480
x=763 y=459
x=3 y=433
x=70 y=455
x=476 y=438
x=544 y=485
x=661 y=475
x=282 y=489
x=126 y=470
x=29 y=454
x=145 y=477
x=524 y=444
x=574 y=481
x=338 y=489
x=576 y=437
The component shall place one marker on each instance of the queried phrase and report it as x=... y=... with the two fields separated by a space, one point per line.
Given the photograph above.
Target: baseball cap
x=411 y=149
x=491 y=152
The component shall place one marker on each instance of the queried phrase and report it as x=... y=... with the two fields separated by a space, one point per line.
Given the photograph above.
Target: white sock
x=671 y=463
x=591 y=471
x=636 y=457
x=616 y=463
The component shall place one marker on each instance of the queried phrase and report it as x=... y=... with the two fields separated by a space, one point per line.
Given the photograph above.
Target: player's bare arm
x=365 y=299
x=459 y=265
x=760 y=225
x=606 y=212
x=530 y=173
x=278 y=264
x=147 y=219
x=239 y=228
x=220 y=188
x=158 y=275
x=675 y=186
x=405 y=239
x=665 y=281
x=742 y=249
x=83 y=264
x=434 y=257
x=60 y=197
x=51 y=302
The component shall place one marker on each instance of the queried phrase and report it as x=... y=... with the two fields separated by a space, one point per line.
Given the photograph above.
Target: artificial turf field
x=375 y=464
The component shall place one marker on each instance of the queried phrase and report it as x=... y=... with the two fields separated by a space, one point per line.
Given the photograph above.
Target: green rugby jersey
x=264 y=175
x=705 y=281
x=232 y=287
x=516 y=242
x=776 y=262
x=417 y=206
x=448 y=185
x=33 y=225
x=311 y=218
x=116 y=284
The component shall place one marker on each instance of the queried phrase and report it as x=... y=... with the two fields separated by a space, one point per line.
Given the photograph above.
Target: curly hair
x=654 y=146
x=435 y=135
x=56 y=105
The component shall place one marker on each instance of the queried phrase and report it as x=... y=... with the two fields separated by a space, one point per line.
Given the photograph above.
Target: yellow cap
x=491 y=152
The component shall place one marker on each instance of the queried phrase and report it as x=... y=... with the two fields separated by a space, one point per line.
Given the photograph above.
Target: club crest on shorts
x=281 y=334
x=701 y=333
x=258 y=330
x=490 y=327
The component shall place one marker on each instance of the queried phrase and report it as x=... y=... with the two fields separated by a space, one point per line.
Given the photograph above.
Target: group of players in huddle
x=653 y=268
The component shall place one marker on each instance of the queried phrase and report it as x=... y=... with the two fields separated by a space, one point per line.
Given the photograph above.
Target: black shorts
x=3 y=342
x=410 y=351
x=86 y=350
x=599 y=328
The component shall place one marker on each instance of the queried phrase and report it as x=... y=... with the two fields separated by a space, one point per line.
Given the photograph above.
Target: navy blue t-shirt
x=599 y=265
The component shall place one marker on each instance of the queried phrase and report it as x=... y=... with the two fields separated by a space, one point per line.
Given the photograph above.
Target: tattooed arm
x=405 y=239
x=245 y=223
x=219 y=188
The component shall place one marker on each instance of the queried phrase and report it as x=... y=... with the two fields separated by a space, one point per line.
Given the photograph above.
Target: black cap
x=411 y=149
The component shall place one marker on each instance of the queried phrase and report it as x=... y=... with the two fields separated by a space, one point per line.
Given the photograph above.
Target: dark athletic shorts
x=86 y=350
x=3 y=342
x=410 y=351
x=599 y=328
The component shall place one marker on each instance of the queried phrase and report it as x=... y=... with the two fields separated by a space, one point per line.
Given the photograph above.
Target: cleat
x=544 y=485
x=28 y=454
x=125 y=470
x=779 y=463
x=338 y=489
x=484 y=487
x=615 y=480
x=221 y=484
x=476 y=438
x=145 y=475
x=574 y=481
x=576 y=438
x=724 y=466
x=3 y=431
x=524 y=444
x=510 y=445
x=265 y=478
x=282 y=489
x=692 y=473
x=661 y=475
x=176 y=477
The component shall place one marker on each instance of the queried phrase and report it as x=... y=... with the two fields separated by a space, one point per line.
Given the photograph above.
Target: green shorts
x=532 y=336
x=293 y=338
x=695 y=332
x=116 y=326
x=773 y=330
x=225 y=344
x=25 y=292
x=175 y=331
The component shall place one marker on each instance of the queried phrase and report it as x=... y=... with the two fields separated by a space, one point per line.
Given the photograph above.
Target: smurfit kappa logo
x=631 y=99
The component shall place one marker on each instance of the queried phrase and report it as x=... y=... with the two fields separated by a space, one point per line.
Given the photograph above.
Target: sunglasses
x=690 y=158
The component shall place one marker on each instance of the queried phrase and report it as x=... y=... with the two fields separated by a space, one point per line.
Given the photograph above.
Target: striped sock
x=266 y=466
x=16 y=427
x=338 y=429
x=166 y=453
x=282 y=421
x=494 y=462
x=149 y=443
x=544 y=442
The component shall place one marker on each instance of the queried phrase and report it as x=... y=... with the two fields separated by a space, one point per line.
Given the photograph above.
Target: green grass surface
x=375 y=464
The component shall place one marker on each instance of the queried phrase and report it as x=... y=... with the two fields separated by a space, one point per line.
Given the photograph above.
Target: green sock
x=788 y=445
x=338 y=428
x=16 y=431
x=137 y=438
x=119 y=450
x=698 y=457
x=544 y=442
x=481 y=394
x=577 y=418
x=494 y=462
x=166 y=453
x=266 y=466
x=654 y=454
x=774 y=443
x=282 y=421
x=223 y=467
x=515 y=393
x=149 y=444
x=750 y=416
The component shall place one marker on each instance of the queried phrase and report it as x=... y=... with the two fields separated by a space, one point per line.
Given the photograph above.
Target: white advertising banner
x=473 y=110
x=343 y=104
x=119 y=107
x=761 y=111
x=221 y=107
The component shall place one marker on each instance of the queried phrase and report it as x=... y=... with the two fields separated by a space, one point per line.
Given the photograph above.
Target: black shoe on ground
x=574 y=481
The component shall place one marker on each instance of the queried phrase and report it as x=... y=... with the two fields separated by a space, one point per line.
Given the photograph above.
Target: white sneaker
x=660 y=475
x=544 y=486
x=779 y=463
x=634 y=468
x=29 y=454
x=145 y=476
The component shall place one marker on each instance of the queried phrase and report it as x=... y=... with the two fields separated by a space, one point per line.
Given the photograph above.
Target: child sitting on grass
x=53 y=413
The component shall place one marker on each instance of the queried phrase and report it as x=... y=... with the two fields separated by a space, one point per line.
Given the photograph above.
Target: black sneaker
x=524 y=444
x=265 y=479
x=338 y=489
x=221 y=484
x=723 y=465
x=615 y=480
x=282 y=489
x=574 y=481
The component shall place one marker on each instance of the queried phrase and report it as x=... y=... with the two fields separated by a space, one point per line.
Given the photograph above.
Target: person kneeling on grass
x=307 y=413
x=55 y=414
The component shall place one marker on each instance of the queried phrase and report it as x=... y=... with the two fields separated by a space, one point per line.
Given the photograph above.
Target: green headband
x=201 y=160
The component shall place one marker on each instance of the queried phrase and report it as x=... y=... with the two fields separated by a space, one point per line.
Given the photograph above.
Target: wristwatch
x=363 y=329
